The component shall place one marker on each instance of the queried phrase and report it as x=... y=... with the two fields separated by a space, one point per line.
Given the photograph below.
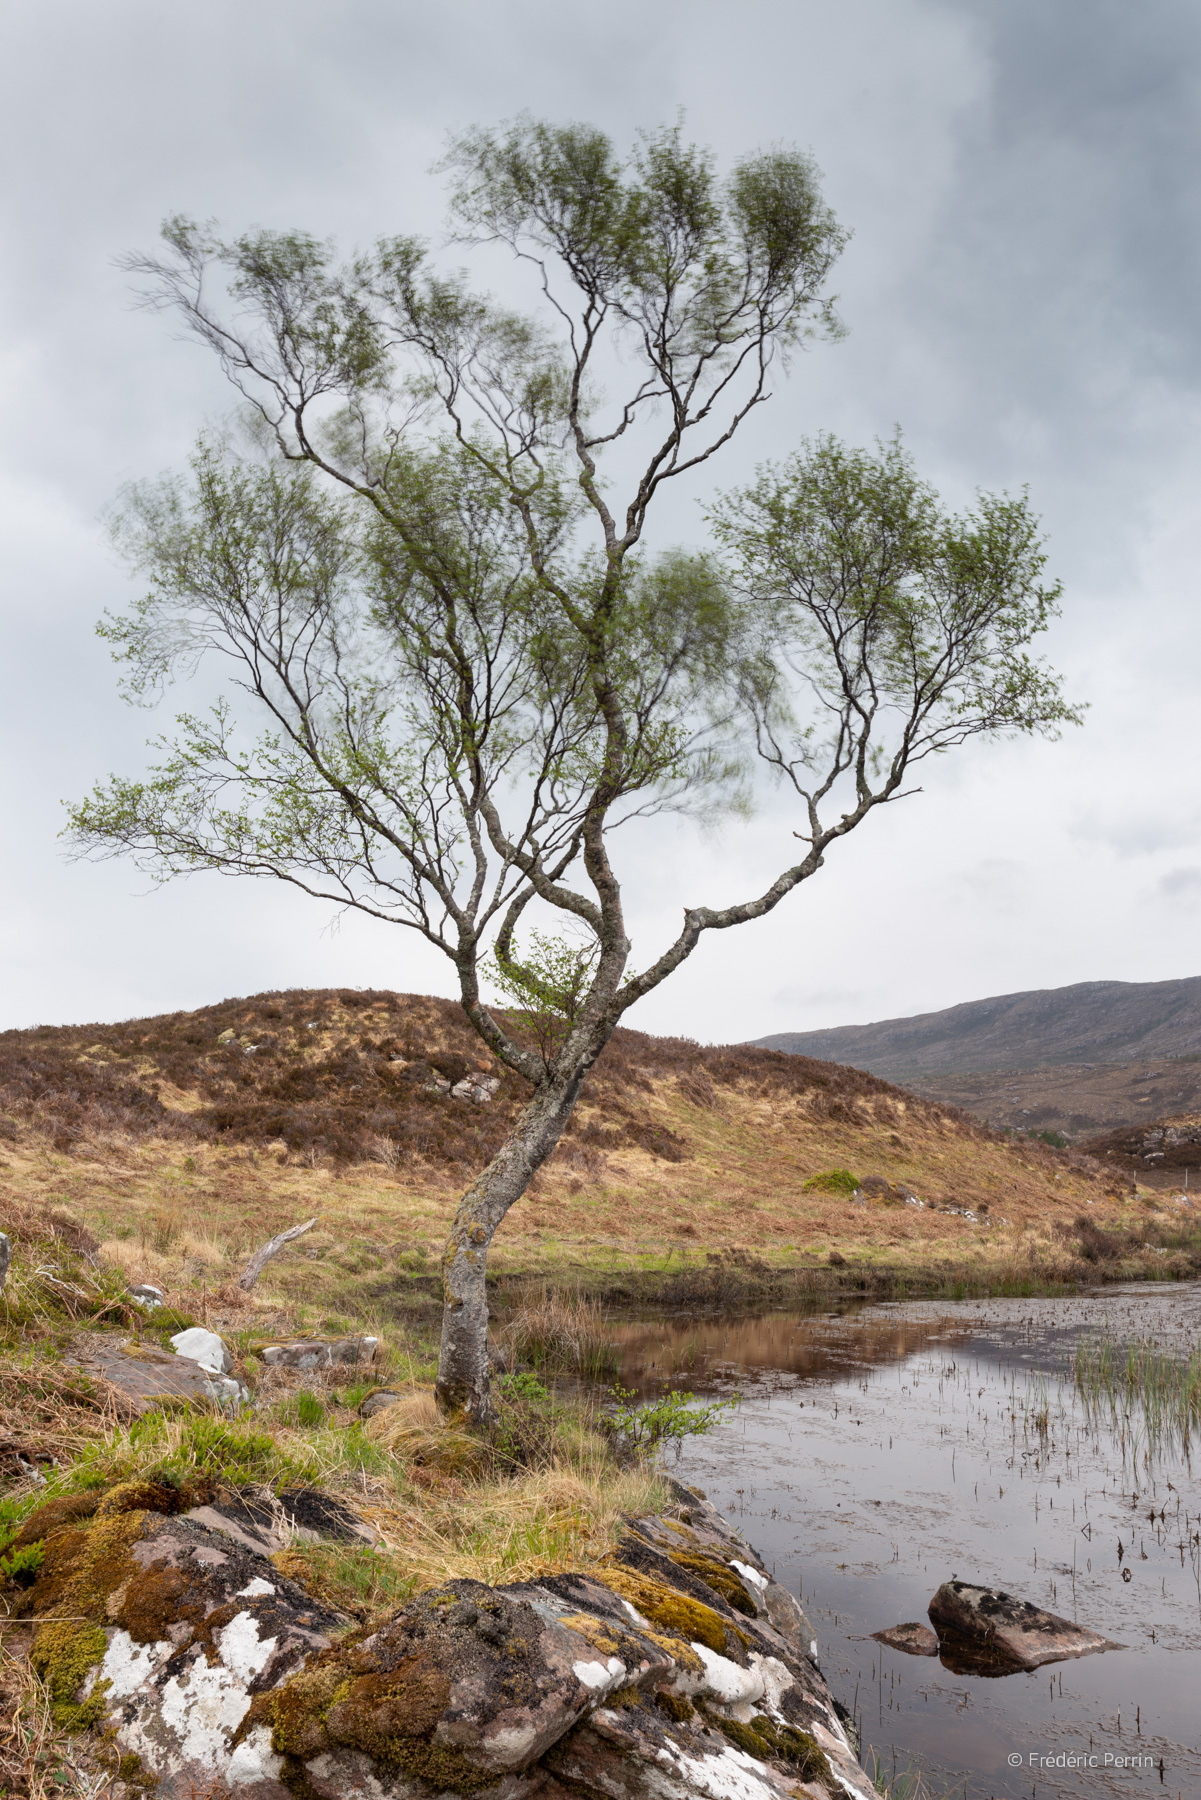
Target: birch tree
x=455 y=664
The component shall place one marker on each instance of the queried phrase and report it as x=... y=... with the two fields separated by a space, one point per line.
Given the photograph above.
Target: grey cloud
x=1182 y=886
x=1021 y=292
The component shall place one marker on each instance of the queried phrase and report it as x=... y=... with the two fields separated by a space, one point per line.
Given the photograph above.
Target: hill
x=182 y=1142
x=1089 y=1022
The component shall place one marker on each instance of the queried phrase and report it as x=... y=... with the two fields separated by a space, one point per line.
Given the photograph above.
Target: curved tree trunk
x=462 y=1387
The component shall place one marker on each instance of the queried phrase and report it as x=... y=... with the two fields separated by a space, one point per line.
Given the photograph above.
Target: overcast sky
x=1022 y=296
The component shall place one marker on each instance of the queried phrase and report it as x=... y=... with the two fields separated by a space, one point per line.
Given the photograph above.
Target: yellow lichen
x=594 y=1631
x=678 y=1614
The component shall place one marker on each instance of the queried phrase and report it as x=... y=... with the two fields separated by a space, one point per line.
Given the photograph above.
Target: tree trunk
x=462 y=1387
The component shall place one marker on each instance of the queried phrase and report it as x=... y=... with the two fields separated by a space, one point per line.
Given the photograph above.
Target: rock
x=147 y=1295
x=914 y=1639
x=183 y=1628
x=678 y=1671
x=319 y=1353
x=265 y=1526
x=477 y=1088
x=203 y=1347
x=227 y=1037
x=378 y=1402
x=983 y=1631
x=147 y=1375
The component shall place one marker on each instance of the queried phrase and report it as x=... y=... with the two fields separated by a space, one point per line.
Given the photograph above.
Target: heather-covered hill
x=182 y=1142
x=346 y=1074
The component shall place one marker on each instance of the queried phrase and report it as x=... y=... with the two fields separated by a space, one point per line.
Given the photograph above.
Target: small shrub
x=647 y=1424
x=833 y=1181
x=21 y=1566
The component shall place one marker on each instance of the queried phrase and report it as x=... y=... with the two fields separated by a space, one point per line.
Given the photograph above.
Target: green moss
x=720 y=1577
x=780 y=1743
x=390 y=1717
x=63 y=1655
x=678 y=1614
x=83 y=1565
x=675 y=1706
x=832 y=1181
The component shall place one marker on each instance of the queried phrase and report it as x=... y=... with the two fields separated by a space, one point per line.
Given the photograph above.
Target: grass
x=37 y=1760
x=159 y=1139
x=910 y=1782
x=1141 y=1385
x=561 y=1331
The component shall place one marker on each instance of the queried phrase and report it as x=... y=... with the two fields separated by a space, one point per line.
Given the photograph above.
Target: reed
x=562 y=1331
x=1142 y=1386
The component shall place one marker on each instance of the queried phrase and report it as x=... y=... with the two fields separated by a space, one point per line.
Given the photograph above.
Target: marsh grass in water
x=1141 y=1387
x=562 y=1332
x=910 y=1782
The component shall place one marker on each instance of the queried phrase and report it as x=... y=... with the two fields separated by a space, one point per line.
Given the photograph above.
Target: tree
x=470 y=670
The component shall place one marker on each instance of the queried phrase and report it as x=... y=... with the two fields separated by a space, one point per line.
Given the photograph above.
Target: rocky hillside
x=1089 y=1022
x=183 y=1142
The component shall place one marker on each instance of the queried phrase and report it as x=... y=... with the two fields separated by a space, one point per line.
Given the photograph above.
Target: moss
x=84 y=1565
x=64 y=1655
x=594 y=1631
x=390 y=1717
x=675 y=1706
x=678 y=1614
x=624 y=1698
x=62 y=1511
x=144 y=1494
x=779 y=1743
x=720 y=1577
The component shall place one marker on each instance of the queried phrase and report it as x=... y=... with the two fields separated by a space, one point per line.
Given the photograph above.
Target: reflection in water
x=878 y=1453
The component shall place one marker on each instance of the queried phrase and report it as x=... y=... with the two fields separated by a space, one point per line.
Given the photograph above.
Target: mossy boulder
x=212 y=1671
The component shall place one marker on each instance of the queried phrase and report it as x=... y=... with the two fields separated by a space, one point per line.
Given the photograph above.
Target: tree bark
x=462 y=1387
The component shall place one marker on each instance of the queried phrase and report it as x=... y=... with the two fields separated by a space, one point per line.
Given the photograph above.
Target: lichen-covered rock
x=320 y=1353
x=679 y=1670
x=914 y=1638
x=983 y=1631
x=173 y=1631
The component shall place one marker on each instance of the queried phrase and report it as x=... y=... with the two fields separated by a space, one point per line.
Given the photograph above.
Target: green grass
x=1141 y=1386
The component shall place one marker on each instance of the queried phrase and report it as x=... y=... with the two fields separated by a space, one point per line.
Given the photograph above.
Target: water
x=879 y=1452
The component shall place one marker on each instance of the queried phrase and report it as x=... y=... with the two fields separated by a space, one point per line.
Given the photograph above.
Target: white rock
x=203 y=1347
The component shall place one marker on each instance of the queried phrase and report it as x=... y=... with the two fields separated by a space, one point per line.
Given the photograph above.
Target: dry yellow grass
x=187 y=1216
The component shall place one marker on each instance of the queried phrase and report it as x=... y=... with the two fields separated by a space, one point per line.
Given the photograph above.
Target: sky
x=1020 y=294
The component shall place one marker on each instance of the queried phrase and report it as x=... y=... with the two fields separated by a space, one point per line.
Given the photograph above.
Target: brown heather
x=182 y=1154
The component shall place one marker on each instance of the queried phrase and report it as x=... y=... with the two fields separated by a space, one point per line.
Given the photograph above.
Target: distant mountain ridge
x=1089 y=1022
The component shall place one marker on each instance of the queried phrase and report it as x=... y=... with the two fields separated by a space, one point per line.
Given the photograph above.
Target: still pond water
x=880 y=1451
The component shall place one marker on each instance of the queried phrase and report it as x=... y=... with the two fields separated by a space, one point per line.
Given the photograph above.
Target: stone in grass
x=146 y=1375
x=320 y=1353
x=203 y=1347
x=147 y=1295
x=378 y=1402
x=913 y=1638
x=987 y=1632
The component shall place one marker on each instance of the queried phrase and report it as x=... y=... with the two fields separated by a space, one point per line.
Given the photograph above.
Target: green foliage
x=21 y=1566
x=309 y=1409
x=1055 y=1138
x=912 y=625
x=645 y=1425
x=833 y=1181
